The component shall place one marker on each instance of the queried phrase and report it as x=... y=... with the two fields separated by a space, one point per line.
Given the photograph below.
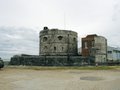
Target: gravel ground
x=26 y=79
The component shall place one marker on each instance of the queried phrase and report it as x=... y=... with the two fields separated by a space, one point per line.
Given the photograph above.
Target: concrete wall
x=101 y=49
x=58 y=42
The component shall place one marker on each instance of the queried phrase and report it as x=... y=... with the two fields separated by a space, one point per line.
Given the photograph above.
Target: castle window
x=54 y=48
x=44 y=39
x=60 y=37
x=45 y=47
x=74 y=39
x=62 y=48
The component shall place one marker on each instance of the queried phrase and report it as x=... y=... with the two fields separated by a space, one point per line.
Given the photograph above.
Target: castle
x=60 y=48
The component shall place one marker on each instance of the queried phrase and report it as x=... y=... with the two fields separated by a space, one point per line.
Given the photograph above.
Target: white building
x=113 y=54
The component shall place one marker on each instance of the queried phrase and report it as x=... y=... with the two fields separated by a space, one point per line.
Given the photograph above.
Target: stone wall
x=51 y=60
x=58 y=42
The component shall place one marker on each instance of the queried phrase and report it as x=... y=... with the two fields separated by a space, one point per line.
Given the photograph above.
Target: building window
x=93 y=43
x=74 y=39
x=45 y=47
x=62 y=48
x=86 y=45
x=44 y=39
x=60 y=37
x=109 y=52
x=54 y=48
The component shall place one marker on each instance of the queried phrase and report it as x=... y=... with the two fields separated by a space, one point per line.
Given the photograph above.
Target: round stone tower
x=57 y=42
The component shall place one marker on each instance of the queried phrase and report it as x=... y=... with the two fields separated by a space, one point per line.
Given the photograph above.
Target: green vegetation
x=66 y=67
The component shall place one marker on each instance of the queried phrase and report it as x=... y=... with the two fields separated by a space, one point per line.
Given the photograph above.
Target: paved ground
x=24 y=79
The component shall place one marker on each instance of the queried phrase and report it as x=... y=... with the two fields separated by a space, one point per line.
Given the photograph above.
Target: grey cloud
x=83 y=16
x=18 y=40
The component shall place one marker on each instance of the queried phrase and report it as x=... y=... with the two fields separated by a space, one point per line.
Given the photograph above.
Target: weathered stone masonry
x=58 y=42
x=56 y=48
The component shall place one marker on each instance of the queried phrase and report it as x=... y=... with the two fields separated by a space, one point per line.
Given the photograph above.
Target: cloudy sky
x=21 y=21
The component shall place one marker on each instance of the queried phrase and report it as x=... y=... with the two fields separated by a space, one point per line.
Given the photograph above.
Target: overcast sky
x=21 y=21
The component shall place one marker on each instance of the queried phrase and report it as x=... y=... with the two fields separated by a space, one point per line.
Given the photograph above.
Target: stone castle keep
x=58 y=42
x=59 y=48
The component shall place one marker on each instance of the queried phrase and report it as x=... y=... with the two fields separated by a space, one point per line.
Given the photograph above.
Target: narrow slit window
x=54 y=48
x=62 y=48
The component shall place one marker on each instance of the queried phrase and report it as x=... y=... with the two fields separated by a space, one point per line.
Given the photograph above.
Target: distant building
x=96 y=46
x=113 y=54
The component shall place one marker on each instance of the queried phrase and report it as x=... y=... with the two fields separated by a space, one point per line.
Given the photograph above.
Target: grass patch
x=66 y=67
